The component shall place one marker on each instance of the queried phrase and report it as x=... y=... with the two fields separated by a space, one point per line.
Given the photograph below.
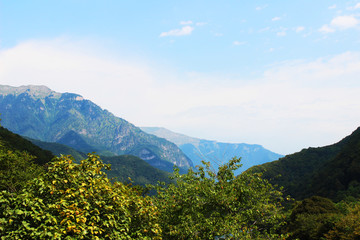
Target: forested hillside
x=332 y=171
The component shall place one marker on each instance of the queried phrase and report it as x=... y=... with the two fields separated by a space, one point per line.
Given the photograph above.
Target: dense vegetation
x=60 y=198
x=20 y=161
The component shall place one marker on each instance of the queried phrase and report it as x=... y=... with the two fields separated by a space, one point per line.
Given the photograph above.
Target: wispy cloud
x=238 y=43
x=259 y=8
x=326 y=29
x=332 y=6
x=200 y=24
x=276 y=19
x=281 y=34
x=357 y=6
x=186 y=30
x=186 y=22
x=299 y=29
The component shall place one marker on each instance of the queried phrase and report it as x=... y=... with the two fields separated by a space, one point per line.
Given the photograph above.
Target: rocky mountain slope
x=216 y=152
x=38 y=112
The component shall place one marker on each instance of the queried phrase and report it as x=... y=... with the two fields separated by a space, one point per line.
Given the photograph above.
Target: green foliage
x=77 y=201
x=16 y=169
x=205 y=205
x=312 y=218
x=348 y=227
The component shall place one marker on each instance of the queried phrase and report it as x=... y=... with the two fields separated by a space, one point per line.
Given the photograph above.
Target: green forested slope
x=317 y=171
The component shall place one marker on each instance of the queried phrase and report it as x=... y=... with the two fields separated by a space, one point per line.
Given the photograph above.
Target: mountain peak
x=36 y=91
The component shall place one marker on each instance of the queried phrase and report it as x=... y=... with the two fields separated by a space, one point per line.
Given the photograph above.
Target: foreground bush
x=208 y=205
x=77 y=201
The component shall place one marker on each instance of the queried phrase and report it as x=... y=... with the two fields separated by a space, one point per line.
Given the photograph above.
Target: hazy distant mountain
x=216 y=152
x=332 y=171
x=40 y=113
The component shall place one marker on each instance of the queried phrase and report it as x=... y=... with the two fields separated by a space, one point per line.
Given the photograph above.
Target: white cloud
x=332 y=6
x=276 y=19
x=186 y=22
x=238 y=43
x=340 y=23
x=295 y=104
x=299 y=29
x=344 y=22
x=186 y=30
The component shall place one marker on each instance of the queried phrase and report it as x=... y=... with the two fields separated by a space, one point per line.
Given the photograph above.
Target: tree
x=16 y=169
x=77 y=201
x=312 y=218
x=348 y=227
x=205 y=205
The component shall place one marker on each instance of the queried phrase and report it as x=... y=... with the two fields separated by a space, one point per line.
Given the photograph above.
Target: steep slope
x=331 y=171
x=216 y=152
x=14 y=142
x=39 y=113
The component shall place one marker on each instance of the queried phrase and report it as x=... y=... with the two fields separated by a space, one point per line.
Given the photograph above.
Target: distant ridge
x=216 y=152
x=39 y=113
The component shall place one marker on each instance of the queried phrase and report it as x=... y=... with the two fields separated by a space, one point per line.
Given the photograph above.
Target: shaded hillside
x=122 y=167
x=216 y=152
x=14 y=142
x=39 y=113
x=340 y=177
x=320 y=171
x=127 y=166
x=57 y=149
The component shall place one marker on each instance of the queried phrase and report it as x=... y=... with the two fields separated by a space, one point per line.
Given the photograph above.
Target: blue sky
x=283 y=74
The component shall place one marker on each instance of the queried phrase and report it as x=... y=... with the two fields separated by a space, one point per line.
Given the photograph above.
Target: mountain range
x=40 y=113
x=216 y=153
x=65 y=123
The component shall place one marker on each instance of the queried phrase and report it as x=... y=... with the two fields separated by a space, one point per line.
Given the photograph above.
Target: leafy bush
x=77 y=201
x=205 y=205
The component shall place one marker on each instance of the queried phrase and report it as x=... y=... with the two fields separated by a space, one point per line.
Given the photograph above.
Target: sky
x=283 y=74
